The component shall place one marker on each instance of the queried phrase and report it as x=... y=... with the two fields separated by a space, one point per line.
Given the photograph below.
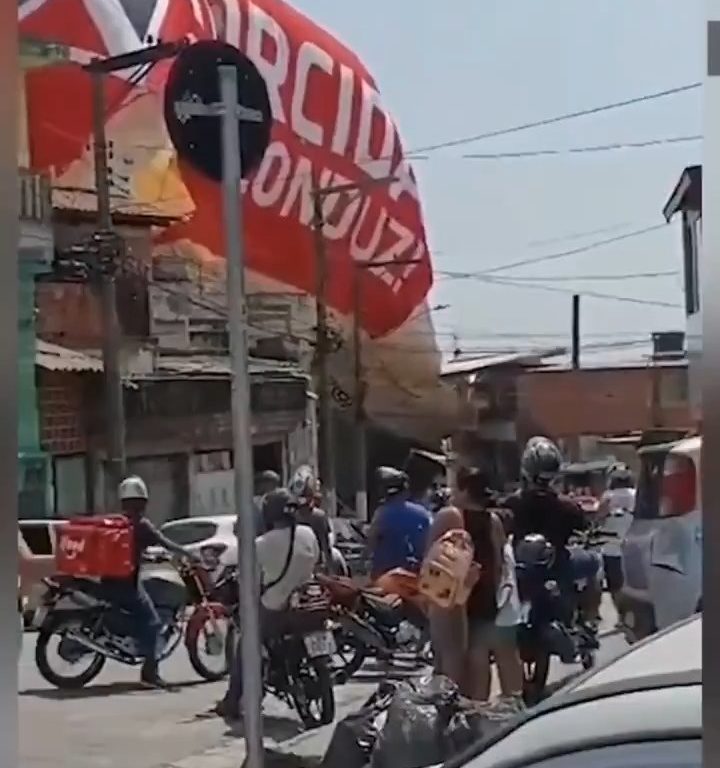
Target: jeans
x=133 y=598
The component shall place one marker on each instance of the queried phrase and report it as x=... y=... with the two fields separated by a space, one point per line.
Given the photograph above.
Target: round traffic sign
x=194 y=76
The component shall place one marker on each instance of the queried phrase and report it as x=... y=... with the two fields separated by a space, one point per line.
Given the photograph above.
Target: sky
x=447 y=70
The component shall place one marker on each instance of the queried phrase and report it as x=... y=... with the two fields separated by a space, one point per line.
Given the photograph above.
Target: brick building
x=504 y=400
x=603 y=401
x=176 y=384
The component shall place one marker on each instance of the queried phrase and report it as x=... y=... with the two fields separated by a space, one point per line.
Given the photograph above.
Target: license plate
x=525 y=609
x=319 y=644
x=40 y=616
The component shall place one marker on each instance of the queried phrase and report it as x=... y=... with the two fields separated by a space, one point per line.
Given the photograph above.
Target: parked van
x=662 y=552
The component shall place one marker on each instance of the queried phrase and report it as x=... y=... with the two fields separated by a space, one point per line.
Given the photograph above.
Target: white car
x=662 y=551
x=40 y=537
x=211 y=538
x=642 y=710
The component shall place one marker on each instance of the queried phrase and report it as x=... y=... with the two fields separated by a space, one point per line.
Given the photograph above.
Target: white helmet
x=133 y=487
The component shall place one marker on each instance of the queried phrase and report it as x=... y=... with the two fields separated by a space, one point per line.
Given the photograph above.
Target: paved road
x=113 y=724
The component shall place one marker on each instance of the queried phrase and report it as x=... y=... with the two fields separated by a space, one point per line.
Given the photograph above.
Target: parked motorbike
x=551 y=623
x=385 y=621
x=296 y=663
x=91 y=629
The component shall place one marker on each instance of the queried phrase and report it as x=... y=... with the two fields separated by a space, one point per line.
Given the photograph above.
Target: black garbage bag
x=429 y=722
x=354 y=737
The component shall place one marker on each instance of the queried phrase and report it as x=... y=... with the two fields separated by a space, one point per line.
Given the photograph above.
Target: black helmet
x=391 y=481
x=277 y=506
x=541 y=461
x=534 y=549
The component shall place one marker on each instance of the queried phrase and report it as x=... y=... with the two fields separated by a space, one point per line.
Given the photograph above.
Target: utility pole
x=107 y=244
x=114 y=406
x=576 y=331
x=325 y=415
x=230 y=112
x=326 y=458
x=574 y=442
x=360 y=389
x=361 y=496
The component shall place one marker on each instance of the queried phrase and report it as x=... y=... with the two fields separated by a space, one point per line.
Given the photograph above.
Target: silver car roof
x=654 y=689
x=676 y=649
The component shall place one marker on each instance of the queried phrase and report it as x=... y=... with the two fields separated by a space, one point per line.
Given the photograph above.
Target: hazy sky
x=462 y=67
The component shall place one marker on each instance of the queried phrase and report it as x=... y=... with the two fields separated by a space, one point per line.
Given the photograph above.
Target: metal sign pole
x=242 y=436
x=187 y=84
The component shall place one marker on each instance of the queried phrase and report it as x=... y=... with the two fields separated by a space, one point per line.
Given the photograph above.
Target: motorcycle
x=551 y=621
x=91 y=629
x=296 y=662
x=385 y=621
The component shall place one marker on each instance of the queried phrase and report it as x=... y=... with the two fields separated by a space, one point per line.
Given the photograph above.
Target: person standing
x=616 y=515
x=464 y=636
x=266 y=482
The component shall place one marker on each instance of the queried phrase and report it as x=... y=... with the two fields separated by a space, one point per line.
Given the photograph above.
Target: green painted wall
x=33 y=463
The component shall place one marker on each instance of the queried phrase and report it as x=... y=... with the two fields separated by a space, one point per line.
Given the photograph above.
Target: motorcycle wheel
x=315 y=689
x=350 y=656
x=199 y=665
x=535 y=675
x=59 y=626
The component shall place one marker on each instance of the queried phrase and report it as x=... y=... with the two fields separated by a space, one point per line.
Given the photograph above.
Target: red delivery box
x=96 y=547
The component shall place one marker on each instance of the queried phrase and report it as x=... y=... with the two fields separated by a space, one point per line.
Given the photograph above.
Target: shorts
x=613 y=572
x=449 y=639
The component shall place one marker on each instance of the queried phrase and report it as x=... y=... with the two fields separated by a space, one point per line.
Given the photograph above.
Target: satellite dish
x=194 y=76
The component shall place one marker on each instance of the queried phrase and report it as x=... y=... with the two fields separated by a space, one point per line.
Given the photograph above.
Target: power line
x=582 y=150
x=564 y=278
x=589 y=294
x=558 y=119
x=573 y=251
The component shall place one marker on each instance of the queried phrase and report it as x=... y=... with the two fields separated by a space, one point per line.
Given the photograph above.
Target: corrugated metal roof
x=211 y=365
x=460 y=367
x=53 y=357
x=623 y=355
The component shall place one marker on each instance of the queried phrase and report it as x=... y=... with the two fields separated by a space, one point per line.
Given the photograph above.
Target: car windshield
x=189 y=532
x=647 y=500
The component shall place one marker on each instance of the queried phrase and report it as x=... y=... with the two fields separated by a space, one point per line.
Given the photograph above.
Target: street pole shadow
x=104 y=690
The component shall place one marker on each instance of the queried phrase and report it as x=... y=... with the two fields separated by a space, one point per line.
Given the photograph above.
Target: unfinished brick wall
x=598 y=402
x=62 y=422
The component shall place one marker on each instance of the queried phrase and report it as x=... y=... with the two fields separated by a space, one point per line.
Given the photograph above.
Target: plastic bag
x=429 y=722
x=354 y=737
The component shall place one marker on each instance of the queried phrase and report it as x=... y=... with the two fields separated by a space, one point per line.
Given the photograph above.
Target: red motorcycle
x=90 y=629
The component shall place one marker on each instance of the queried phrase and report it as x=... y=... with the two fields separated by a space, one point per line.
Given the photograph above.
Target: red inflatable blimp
x=329 y=129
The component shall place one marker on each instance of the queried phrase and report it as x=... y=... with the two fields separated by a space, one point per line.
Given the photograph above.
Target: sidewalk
x=231 y=753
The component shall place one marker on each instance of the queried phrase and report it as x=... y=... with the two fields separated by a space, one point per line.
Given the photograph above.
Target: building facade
x=686 y=200
x=35 y=254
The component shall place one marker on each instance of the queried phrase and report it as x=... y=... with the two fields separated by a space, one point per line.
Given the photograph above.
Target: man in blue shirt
x=399 y=530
